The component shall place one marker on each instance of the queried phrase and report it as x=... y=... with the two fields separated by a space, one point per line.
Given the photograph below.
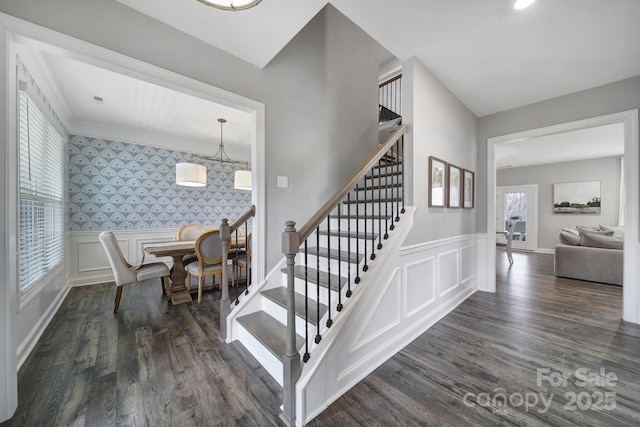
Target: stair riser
x=272 y=364
x=344 y=243
x=377 y=193
x=371 y=224
x=313 y=295
x=373 y=208
x=325 y=263
x=280 y=314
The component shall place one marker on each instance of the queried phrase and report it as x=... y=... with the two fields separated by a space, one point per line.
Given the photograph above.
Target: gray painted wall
x=439 y=125
x=328 y=71
x=605 y=170
x=612 y=98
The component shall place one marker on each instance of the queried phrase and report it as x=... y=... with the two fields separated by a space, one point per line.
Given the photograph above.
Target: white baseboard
x=30 y=341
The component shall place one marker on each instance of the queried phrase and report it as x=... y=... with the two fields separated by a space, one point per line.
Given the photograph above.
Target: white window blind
x=41 y=194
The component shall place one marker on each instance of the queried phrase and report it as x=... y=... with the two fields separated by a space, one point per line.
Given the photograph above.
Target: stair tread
x=279 y=296
x=271 y=333
x=353 y=235
x=352 y=257
x=395 y=173
x=353 y=216
x=312 y=276
x=390 y=199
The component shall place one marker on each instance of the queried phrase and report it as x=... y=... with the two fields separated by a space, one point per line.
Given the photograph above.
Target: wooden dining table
x=177 y=292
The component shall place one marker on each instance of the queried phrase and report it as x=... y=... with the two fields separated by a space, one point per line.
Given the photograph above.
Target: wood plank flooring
x=91 y=368
x=493 y=345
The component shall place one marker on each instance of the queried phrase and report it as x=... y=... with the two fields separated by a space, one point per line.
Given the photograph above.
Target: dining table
x=177 y=291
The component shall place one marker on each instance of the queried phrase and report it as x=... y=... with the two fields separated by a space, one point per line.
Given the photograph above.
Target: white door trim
x=631 y=288
x=13 y=28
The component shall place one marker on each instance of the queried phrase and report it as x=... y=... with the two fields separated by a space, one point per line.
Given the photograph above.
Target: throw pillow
x=602 y=239
x=617 y=231
x=569 y=237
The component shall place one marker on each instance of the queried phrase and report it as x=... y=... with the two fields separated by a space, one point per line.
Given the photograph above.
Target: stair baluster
x=386 y=200
x=401 y=148
x=357 y=280
x=318 y=336
x=379 y=204
x=339 y=306
x=348 y=293
x=329 y=321
x=306 y=356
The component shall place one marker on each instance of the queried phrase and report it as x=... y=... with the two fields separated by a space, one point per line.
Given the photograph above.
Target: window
x=41 y=193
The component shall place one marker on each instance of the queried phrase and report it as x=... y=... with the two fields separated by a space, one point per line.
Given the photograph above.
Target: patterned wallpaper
x=115 y=185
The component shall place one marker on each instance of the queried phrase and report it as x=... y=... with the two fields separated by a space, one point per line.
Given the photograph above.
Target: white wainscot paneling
x=88 y=264
x=448 y=271
x=467 y=264
x=421 y=284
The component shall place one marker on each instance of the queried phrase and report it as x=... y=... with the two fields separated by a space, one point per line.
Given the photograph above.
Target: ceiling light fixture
x=232 y=5
x=521 y=4
x=195 y=175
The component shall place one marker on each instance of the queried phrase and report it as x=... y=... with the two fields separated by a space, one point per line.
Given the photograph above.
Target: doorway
x=629 y=119
x=519 y=205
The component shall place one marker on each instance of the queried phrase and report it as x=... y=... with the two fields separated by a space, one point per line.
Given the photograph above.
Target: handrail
x=311 y=225
x=243 y=218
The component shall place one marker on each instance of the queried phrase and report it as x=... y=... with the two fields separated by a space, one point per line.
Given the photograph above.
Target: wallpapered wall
x=115 y=185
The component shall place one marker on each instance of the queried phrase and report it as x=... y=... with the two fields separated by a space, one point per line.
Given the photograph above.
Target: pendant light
x=195 y=175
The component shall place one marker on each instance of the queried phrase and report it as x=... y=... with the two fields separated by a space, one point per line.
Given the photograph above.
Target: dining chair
x=189 y=232
x=125 y=273
x=243 y=260
x=209 y=254
x=510 y=231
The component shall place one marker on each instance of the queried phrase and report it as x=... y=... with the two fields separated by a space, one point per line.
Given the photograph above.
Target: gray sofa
x=592 y=264
x=595 y=257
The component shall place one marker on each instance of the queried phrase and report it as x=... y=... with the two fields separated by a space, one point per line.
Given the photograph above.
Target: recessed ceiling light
x=521 y=4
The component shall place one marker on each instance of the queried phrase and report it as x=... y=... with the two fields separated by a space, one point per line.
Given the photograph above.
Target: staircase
x=326 y=263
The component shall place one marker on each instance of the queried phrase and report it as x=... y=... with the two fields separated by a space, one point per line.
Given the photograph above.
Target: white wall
x=612 y=98
x=8 y=363
x=606 y=170
x=441 y=126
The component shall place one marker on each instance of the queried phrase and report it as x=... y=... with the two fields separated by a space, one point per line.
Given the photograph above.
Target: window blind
x=41 y=193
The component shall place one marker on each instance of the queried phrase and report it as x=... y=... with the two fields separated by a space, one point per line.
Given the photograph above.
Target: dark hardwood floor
x=154 y=364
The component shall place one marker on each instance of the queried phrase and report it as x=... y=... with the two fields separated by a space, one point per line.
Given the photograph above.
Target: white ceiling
x=135 y=110
x=491 y=56
x=583 y=144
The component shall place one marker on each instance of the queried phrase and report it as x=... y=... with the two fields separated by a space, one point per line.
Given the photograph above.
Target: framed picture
x=468 y=189
x=576 y=198
x=454 y=189
x=437 y=189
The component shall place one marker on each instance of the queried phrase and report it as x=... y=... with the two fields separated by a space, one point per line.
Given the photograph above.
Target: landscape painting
x=577 y=198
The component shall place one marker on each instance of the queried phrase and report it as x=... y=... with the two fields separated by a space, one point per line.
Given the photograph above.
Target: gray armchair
x=124 y=273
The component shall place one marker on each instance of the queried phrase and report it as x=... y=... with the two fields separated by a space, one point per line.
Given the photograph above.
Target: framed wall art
x=454 y=188
x=437 y=189
x=468 y=189
x=576 y=198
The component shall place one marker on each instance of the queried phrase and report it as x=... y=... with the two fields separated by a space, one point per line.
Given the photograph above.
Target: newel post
x=225 y=303
x=291 y=359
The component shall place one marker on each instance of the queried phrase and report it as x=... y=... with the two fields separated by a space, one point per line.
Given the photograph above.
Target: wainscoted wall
x=422 y=285
x=115 y=185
